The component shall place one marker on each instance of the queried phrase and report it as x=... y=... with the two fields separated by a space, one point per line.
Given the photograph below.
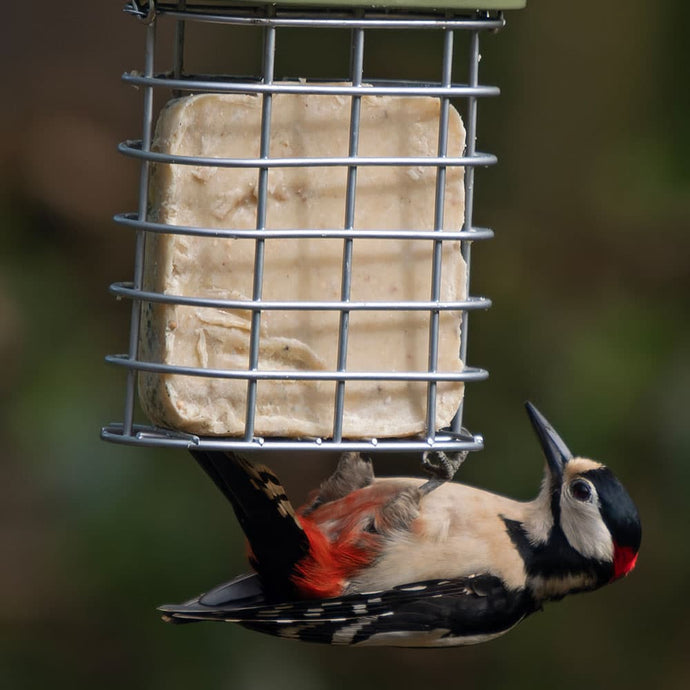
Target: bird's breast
x=458 y=531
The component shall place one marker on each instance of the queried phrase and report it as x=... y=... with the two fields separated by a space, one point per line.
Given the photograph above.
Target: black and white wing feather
x=434 y=613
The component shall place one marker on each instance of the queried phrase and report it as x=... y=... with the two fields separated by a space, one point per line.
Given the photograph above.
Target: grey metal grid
x=271 y=19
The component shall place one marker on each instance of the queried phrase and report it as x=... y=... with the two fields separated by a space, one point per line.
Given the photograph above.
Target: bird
x=409 y=562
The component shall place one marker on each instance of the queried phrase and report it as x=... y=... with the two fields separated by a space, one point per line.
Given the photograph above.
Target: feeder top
x=405 y=4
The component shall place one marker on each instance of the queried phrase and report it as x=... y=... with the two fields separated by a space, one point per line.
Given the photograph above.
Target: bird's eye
x=581 y=490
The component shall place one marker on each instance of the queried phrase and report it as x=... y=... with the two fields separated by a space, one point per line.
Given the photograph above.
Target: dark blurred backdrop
x=591 y=287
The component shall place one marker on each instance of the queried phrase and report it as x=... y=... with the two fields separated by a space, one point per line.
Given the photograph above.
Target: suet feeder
x=343 y=213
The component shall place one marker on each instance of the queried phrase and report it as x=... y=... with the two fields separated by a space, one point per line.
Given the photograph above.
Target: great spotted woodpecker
x=403 y=562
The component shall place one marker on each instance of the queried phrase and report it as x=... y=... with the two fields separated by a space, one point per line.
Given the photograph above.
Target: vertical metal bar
x=466 y=245
x=437 y=260
x=134 y=326
x=356 y=69
x=178 y=55
x=261 y=205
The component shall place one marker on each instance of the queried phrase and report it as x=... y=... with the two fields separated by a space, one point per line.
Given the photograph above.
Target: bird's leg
x=441 y=466
x=354 y=471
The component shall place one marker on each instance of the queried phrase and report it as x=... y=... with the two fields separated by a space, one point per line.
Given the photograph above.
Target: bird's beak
x=556 y=452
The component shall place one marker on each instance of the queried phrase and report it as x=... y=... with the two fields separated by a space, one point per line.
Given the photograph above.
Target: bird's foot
x=441 y=466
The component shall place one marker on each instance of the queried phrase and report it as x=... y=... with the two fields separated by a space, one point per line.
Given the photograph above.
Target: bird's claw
x=442 y=466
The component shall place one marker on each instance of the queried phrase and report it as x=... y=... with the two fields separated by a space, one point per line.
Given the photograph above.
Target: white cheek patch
x=584 y=528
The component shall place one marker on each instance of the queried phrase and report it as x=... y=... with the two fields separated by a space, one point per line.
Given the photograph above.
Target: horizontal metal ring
x=153 y=436
x=249 y=87
x=467 y=374
x=133 y=149
x=333 y=18
x=126 y=290
x=473 y=234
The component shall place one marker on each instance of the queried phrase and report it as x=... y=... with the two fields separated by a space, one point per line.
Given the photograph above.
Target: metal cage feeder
x=455 y=17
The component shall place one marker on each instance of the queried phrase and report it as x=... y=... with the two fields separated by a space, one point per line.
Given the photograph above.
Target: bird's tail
x=276 y=538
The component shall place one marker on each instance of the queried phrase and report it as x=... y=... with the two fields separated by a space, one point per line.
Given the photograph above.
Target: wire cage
x=460 y=20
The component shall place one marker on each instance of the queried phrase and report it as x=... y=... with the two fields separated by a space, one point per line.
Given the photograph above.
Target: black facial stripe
x=556 y=557
x=617 y=508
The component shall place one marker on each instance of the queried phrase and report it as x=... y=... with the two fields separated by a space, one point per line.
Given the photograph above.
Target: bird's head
x=594 y=512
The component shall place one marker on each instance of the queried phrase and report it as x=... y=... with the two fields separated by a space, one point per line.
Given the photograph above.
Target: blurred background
x=590 y=281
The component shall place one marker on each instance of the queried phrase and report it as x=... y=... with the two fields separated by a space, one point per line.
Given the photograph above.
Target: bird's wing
x=432 y=613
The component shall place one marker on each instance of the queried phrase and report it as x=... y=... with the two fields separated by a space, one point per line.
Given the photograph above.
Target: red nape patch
x=624 y=559
x=322 y=574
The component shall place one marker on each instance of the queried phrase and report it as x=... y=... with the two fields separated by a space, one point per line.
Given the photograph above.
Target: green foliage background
x=590 y=282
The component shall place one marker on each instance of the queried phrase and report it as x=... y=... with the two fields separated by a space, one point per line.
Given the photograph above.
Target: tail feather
x=312 y=554
x=206 y=462
x=275 y=536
